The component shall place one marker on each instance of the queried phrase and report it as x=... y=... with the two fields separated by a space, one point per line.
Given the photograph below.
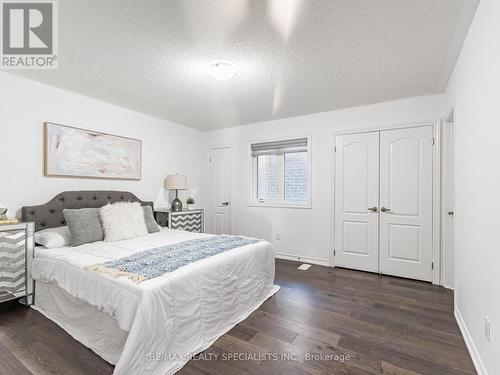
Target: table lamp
x=176 y=182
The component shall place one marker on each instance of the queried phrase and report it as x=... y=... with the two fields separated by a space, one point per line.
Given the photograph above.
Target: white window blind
x=279 y=147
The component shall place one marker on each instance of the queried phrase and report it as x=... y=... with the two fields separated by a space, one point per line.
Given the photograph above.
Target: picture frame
x=82 y=153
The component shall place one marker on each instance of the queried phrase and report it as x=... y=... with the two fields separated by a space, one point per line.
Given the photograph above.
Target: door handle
x=225 y=203
x=450 y=213
x=373 y=209
x=383 y=209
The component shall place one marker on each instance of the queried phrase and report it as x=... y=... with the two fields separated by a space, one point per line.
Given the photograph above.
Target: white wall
x=475 y=93
x=306 y=233
x=25 y=105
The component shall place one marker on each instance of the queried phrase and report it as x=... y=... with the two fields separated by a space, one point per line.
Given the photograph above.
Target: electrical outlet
x=487 y=328
x=277 y=236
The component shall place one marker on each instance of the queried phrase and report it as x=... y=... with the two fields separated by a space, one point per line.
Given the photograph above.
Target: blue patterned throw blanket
x=148 y=264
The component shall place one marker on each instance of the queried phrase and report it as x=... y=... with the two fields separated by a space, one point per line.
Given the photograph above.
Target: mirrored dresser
x=16 y=249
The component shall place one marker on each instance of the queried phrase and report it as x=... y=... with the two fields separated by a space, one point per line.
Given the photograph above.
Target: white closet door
x=406 y=202
x=356 y=192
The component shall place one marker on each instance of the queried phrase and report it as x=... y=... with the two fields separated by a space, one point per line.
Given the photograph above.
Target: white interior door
x=447 y=204
x=406 y=202
x=220 y=173
x=356 y=201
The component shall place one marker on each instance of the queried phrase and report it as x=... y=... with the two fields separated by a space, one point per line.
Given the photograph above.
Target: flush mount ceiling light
x=222 y=71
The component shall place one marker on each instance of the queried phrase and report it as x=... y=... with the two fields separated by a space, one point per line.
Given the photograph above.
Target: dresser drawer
x=189 y=221
x=12 y=263
x=11 y=238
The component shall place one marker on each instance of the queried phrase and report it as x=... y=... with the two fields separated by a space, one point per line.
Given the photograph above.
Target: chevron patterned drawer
x=12 y=263
x=188 y=221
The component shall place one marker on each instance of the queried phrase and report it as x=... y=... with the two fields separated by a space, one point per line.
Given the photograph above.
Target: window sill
x=306 y=206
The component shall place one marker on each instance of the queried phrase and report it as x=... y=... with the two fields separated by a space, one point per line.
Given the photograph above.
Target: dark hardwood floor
x=322 y=321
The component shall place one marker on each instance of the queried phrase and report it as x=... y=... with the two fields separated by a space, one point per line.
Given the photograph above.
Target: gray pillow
x=151 y=223
x=84 y=225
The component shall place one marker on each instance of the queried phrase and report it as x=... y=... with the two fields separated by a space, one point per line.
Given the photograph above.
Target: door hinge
x=432 y=265
x=334 y=252
x=433 y=141
x=334 y=148
x=210 y=159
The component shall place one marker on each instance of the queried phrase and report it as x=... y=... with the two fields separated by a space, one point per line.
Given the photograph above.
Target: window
x=281 y=173
x=267 y=177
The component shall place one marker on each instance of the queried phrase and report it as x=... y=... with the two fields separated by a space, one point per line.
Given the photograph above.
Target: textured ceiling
x=295 y=56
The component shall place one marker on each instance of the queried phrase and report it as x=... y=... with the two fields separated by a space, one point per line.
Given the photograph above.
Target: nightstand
x=16 y=249
x=188 y=220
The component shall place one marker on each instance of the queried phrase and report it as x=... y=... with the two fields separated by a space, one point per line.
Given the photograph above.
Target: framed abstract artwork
x=75 y=152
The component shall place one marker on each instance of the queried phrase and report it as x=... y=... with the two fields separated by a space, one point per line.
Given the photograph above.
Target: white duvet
x=171 y=317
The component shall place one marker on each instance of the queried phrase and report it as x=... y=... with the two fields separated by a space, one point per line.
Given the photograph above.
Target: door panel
x=356 y=190
x=404 y=242
x=220 y=172
x=356 y=237
x=403 y=179
x=406 y=193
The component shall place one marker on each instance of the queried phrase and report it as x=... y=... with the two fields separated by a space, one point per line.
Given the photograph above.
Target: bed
x=152 y=327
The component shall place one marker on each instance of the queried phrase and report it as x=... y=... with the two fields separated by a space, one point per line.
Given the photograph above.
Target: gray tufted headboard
x=50 y=214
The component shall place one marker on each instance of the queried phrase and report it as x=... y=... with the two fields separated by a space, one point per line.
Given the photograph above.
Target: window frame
x=279 y=203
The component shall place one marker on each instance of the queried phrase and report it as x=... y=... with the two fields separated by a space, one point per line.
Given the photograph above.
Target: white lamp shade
x=176 y=182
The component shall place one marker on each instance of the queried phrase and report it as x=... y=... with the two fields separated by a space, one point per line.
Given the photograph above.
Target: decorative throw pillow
x=84 y=225
x=151 y=223
x=123 y=221
x=53 y=237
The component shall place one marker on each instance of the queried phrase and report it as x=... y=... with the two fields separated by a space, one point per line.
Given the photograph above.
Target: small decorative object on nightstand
x=190 y=203
x=176 y=182
x=191 y=221
x=16 y=249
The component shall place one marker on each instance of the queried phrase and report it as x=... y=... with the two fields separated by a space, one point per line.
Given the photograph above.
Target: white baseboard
x=445 y=283
x=319 y=262
x=474 y=353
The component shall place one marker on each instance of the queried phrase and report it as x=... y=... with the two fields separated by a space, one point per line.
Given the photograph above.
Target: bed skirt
x=96 y=330
x=85 y=323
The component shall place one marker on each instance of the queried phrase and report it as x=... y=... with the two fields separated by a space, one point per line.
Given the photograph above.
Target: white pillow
x=53 y=237
x=123 y=221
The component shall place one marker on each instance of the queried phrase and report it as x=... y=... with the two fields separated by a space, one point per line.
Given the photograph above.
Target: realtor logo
x=29 y=34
